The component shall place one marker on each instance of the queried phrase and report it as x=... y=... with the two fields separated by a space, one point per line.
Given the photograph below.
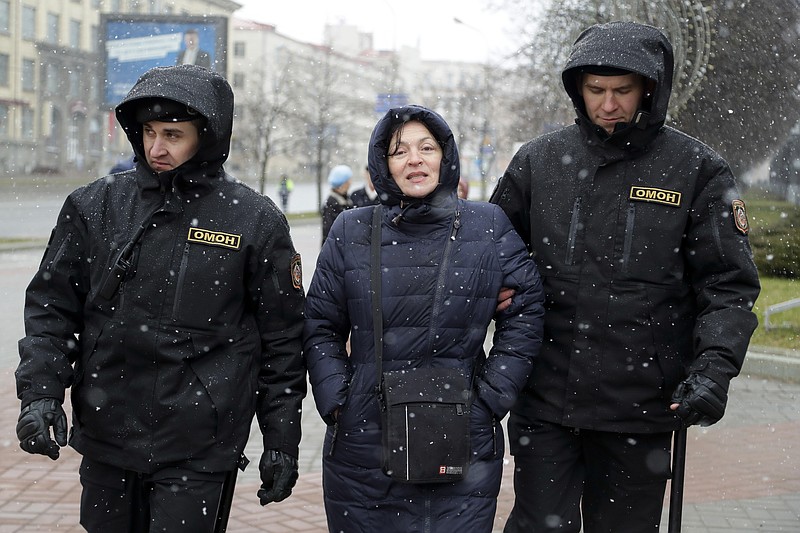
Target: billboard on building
x=133 y=44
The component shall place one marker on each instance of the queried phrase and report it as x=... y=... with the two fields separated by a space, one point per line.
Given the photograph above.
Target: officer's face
x=167 y=145
x=611 y=99
x=414 y=160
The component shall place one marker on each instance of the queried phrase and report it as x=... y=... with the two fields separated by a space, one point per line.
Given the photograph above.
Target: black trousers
x=170 y=500
x=614 y=482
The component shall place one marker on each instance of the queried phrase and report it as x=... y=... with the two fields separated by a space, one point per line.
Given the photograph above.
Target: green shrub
x=775 y=237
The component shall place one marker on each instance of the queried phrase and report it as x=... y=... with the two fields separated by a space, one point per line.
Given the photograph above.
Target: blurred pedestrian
x=650 y=284
x=169 y=300
x=463 y=189
x=366 y=195
x=338 y=200
x=284 y=190
x=126 y=163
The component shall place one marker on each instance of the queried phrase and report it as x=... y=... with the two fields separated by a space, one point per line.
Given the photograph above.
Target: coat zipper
x=426 y=525
x=61 y=249
x=626 y=247
x=573 y=230
x=437 y=304
x=181 y=278
x=334 y=437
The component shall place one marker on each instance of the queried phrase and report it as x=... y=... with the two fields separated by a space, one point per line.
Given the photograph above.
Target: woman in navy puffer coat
x=429 y=318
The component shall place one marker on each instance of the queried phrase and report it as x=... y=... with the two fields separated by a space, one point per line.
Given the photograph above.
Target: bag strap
x=122 y=262
x=375 y=289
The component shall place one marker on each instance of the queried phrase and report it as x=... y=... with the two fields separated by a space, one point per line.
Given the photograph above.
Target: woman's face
x=414 y=160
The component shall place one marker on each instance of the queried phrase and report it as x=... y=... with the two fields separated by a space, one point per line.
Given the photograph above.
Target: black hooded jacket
x=204 y=329
x=640 y=237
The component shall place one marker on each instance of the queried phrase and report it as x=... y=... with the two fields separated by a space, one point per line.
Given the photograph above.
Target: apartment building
x=301 y=108
x=51 y=82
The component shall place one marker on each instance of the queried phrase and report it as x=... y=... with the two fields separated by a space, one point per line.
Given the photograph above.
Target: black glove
x=701 y=400
x=33 y=427
x=278 y=476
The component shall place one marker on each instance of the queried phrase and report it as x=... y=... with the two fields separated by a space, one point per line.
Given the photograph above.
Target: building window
x=75 y=33
x=3 y=120
x=94 y=89
x=53 y=21
x=4 y=70
x=28 y=74
x=5 y=16
x=74 y=83
x=94 y=38
x=29 y=23
x=52 y=79
x=27 y=123
x=238 y=49
x=54 y=135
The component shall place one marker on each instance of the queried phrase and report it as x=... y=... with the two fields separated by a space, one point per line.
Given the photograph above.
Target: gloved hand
x=33 y=427
x=278 y=476
x=699 y=400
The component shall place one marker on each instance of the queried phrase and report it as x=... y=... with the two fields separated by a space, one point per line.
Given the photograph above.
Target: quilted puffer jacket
x=431 y=316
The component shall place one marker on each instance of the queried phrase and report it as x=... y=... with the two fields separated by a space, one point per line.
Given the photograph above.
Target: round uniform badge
x=297 y=272
x=740 y=216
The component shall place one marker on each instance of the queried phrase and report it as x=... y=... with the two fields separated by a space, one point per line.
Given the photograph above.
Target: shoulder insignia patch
x=215 y=238
x=655 y=195
x=297 y=272
x=740 y=216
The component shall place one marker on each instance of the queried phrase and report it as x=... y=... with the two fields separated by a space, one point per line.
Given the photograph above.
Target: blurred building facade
x=300 y=107
x=51 y=120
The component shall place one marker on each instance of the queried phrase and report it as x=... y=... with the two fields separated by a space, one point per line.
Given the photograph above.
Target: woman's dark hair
x=398 y=129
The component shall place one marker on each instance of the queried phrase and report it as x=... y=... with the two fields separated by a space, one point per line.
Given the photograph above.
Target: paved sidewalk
x=743 y=475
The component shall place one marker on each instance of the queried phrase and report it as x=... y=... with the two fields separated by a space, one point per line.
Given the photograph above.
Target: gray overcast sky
x=427 y=24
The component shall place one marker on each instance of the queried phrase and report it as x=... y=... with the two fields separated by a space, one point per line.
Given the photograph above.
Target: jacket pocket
x=485 y=434
x=226 y=369
x=673 y=330
x=99 y=393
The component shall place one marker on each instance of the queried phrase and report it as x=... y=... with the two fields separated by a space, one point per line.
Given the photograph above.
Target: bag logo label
x=451 y=470
x=740 y=216
x=656 y=195
x=215 y=238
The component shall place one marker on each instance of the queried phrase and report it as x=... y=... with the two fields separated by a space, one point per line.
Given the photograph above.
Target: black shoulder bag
x=424 y=411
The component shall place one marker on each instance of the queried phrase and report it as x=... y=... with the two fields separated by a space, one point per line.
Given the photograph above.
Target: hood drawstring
x=396 y=220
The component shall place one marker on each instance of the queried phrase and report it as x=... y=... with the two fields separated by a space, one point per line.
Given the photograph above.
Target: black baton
x=676 y=487
x=225 y=502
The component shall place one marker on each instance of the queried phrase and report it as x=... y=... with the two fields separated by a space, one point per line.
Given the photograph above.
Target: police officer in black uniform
x=169 y=300
x=641 y=240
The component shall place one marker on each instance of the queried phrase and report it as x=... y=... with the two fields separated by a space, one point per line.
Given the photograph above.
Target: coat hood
x=627 y=46
x=449 y=171
x=203 y=90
